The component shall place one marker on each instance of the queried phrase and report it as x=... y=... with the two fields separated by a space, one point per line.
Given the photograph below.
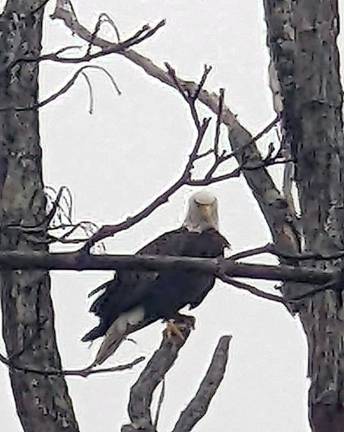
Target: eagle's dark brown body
x=159 y=294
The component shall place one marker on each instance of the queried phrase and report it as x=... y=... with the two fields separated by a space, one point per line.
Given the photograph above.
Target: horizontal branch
x=84 y=373
x=16 y=260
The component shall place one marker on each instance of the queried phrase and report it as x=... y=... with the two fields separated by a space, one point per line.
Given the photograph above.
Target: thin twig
x=89 y=85
x=184 y=179
x=144 y=33
x=106 y=18
x=206 y=72
x=50 y=216
x=63 y=90
x=84 y=373
x=210 y=179
x=303 y=256
x=67 y=48
x=268 y=248
x=253 y=290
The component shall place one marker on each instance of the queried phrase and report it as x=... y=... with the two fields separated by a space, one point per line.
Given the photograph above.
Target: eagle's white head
x=202 y=212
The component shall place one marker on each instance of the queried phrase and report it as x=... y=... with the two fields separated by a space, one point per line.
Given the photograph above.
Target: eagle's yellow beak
x=206 y=211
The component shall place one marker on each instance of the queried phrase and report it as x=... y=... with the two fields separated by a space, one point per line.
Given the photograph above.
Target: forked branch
x=141 y=393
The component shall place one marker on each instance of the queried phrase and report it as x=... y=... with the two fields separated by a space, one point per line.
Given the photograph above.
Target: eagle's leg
x=177 y=324
x=172 y=329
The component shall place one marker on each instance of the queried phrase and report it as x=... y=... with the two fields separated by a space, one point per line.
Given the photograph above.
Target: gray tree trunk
x=43 y=403
x=302 y=39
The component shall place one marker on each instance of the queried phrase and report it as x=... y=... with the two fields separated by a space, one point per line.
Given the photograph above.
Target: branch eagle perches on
x=154 y=373
x=222 y=268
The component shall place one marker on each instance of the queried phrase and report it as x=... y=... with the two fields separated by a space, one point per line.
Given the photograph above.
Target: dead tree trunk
x=302 y=40
x=43 y=403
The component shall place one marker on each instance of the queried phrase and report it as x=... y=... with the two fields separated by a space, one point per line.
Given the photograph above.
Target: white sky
x=121 y=157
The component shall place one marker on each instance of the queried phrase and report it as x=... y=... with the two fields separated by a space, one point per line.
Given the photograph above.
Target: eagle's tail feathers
x=95 y=333
x=117 y=332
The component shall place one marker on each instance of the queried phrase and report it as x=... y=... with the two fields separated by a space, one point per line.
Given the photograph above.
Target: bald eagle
x=132 y=300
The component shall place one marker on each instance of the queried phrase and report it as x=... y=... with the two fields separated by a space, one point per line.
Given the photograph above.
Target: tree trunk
x=43 y=403
x=302 y=40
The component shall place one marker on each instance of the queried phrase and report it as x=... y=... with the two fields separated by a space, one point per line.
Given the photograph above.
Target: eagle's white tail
x=117 y=333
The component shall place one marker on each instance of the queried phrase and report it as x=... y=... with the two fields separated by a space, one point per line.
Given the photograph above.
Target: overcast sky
x=116 y=161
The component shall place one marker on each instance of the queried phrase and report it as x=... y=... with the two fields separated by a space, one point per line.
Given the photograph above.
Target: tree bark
x=43 y=403
x=302 y=40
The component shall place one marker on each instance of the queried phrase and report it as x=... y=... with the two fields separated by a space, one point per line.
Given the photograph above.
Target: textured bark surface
x=43 y=403
x=302 y=39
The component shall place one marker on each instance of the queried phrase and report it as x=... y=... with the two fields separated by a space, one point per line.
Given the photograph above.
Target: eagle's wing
x=135 y=299
x=217 y=246
x=128 y=288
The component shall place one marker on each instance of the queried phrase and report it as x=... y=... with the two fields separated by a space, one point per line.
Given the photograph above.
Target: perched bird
x=134 y=299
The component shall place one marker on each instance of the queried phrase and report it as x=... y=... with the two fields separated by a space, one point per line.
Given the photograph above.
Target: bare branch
x=105 y=18
x=63 y=90
x=67 y=48
x=141 y=394
x=218 y=123
x=210 y=179
x=195 y=94
x=199 y=405
x=268 y=248
x=78 y=261
x=50 y=216
x=189 y=97
x=89 y=85
x=109 y=230
x=185 y=178
x=144 y=33
x=58 y=218
x=253 y=290
x=280 y=218
x=304 y=256
x=84 y=373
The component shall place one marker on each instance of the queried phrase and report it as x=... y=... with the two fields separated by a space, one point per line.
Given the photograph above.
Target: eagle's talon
x=173 y=329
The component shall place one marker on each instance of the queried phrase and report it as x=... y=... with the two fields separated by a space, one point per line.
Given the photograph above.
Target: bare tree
x=304 y=72
x=43 y=402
